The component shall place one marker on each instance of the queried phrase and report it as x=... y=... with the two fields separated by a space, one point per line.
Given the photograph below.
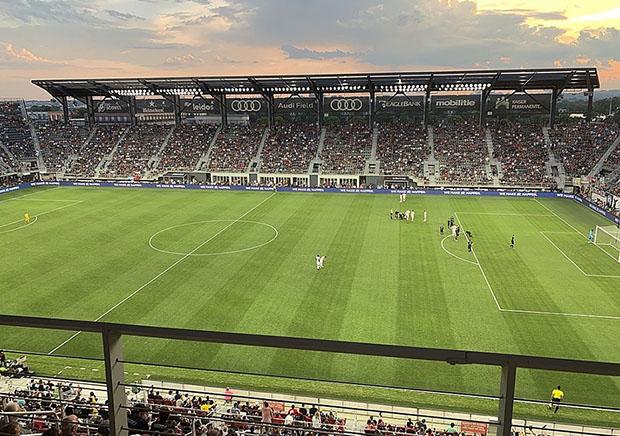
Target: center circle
x=171 y=239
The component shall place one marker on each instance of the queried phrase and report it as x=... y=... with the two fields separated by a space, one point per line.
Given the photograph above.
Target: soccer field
x=244 y=262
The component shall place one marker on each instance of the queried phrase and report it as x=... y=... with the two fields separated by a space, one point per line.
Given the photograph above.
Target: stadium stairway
x=74 y=157
x=105 y=161
x=492 y=162
x=372 y=164
x=315 y=164
x=153 y=162
x=255 y=163
x=553 y=168
x=204 y=160
x=599 y=165
x=431 y=165
x=37 y=147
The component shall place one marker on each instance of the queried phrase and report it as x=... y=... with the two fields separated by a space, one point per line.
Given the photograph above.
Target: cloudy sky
x=120 y=38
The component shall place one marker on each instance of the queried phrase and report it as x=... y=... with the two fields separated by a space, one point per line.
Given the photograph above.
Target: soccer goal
x=608 y=236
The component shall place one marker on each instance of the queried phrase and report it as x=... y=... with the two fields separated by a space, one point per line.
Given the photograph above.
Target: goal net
x=608 y=237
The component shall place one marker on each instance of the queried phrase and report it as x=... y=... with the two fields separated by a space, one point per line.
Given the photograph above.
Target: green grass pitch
x=244 y=262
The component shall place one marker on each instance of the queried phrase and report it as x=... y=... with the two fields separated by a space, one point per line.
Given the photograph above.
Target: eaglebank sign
x=401 y=104
x=464 y=192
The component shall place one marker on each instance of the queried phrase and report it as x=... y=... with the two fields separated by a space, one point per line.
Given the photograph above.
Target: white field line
x=26 y=195
x=579 y=315
x=42 y=213
x=572 y=227
x=504 y=214
x=159 y=275
x=454 y=255
x=41 y=199
x=577 y=266
x=563 y=254
x=34 y=220
x=480 y=266
x=531 y=312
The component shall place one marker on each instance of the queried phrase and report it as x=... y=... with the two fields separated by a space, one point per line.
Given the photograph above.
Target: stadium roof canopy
x=467 y=80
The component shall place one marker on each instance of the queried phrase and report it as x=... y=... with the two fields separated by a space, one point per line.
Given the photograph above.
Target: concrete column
x=115 y=378
x=506 y=400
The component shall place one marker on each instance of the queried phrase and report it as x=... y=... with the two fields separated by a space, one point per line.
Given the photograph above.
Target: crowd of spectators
x=100 y=145
x=290 y=148
x=346 y=149
x=139 y=145
x=579 y=146
x=58 y=141
x=72 y=410
x=461 y=151
x=15 y=131
x=235 y=147
x=522 y=151
x=402 y=148
x=188 y=143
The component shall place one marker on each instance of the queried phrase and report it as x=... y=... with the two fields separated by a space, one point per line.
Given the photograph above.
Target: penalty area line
x=480 y=267
x=138 y=290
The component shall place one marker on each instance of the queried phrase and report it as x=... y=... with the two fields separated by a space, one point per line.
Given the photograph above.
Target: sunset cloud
x=158 y=37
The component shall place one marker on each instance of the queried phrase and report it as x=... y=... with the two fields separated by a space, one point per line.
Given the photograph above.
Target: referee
x=557 y=395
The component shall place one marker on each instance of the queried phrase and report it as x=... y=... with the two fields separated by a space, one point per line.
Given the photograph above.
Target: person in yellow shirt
x=557 y=395
x=26 y=218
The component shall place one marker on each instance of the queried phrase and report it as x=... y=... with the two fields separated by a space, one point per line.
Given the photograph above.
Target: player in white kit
x=318 y=261
x=425 y=216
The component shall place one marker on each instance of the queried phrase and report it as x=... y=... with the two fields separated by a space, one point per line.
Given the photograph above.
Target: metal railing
x=112 y=336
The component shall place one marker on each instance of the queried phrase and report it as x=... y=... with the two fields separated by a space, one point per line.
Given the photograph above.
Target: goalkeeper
x=591 y=235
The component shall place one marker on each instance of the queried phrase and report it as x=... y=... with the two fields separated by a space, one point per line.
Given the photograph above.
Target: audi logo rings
x=246 y=105
x=346 y=104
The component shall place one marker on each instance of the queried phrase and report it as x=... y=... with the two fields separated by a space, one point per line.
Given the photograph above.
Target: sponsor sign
x=295 y=105
x=346 y=105
x=479 y=428
x=519 y=104
x=154 y=106
x=248 y=105
x=455 y=103
x=400 y=103
x=199 y=106
x=109 y=106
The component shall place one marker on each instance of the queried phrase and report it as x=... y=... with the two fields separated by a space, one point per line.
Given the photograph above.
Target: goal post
x=608 y=236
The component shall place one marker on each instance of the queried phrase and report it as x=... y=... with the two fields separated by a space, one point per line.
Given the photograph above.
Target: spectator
x=69 y=426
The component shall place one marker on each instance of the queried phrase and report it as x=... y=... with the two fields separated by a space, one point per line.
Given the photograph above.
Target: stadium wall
x=464 y=192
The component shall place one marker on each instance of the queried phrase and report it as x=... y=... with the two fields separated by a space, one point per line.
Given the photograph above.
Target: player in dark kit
x=441 y=229
x=512 y=242
x=469 y=243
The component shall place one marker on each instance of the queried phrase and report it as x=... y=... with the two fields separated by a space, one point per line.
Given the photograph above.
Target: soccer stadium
x=428 y=252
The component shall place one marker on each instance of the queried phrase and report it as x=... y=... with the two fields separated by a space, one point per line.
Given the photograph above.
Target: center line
x=159 y=275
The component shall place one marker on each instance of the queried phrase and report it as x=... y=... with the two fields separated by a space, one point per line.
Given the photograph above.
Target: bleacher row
x=460 y=149
x=54 y=407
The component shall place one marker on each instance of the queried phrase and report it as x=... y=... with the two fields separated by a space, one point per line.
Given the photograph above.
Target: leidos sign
x=200 y=107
